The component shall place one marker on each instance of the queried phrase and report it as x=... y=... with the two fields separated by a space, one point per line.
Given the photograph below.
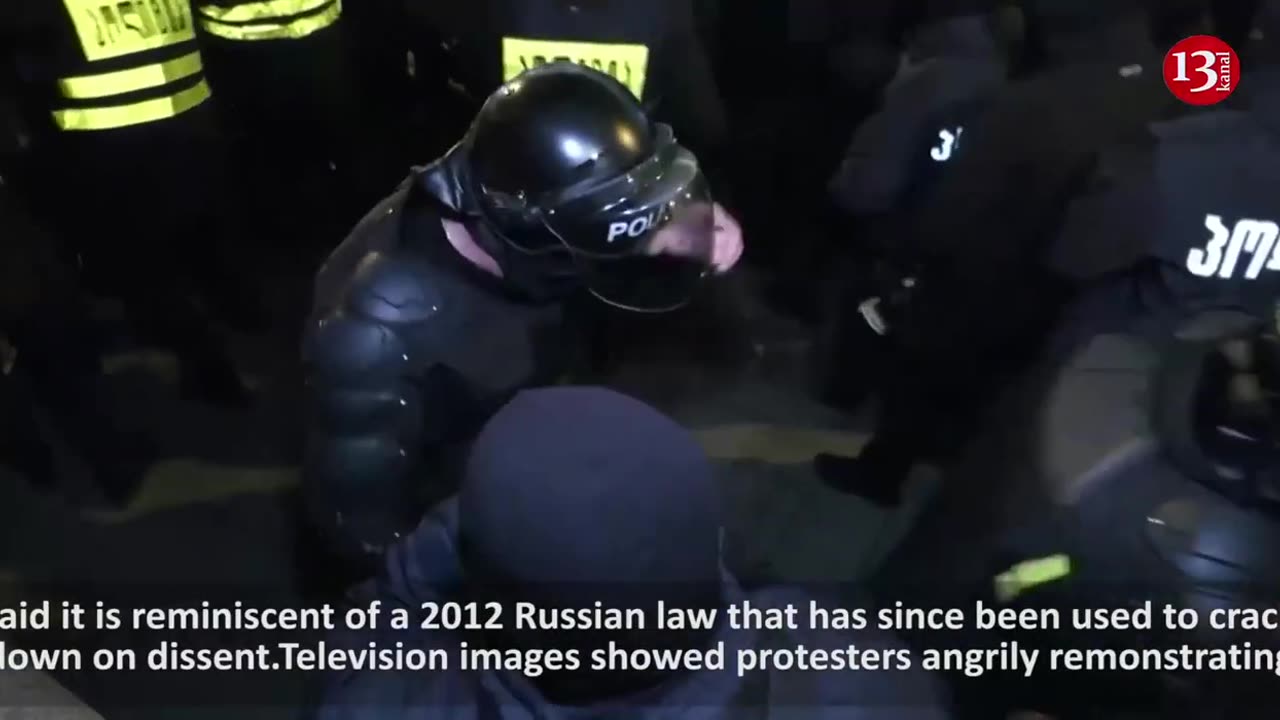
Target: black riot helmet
x=562 y=177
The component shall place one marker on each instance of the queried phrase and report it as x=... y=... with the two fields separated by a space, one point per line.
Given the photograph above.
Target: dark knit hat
x=583 y=485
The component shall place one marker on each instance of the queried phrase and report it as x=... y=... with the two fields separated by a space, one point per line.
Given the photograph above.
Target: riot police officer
x=980 y=295
x=50 y=358
x=285 y=72
x=448 y=296
x=1144 y=447
x=960 y=55
x=127 y=169
x=1188 y=196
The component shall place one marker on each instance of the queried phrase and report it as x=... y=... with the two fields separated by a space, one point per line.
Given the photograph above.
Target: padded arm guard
x=372 y=374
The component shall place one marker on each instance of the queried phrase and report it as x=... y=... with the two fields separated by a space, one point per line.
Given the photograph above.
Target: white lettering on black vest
x=1221 y=255
x=946 y=147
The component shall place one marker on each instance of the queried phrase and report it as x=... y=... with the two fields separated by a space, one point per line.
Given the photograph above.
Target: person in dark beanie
x=981 y=298
x=579 y=498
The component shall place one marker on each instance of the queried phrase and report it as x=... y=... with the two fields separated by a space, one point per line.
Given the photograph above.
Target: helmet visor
x=643 y=241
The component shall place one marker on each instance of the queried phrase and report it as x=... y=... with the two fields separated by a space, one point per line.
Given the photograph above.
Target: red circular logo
x=1202 y=70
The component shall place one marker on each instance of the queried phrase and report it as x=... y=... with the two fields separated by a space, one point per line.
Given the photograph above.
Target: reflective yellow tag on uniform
x=626 y=63
x=1029 y=574
x=112 y=29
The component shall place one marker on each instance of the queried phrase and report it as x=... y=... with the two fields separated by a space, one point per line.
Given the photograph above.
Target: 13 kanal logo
x=1202 y=70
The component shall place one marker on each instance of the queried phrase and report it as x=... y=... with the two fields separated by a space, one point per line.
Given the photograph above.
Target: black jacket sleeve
x=374 y=388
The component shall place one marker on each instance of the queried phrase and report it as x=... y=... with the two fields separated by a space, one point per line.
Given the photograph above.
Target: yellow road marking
x=174 y=484
x=162 y=365
x=153 y=362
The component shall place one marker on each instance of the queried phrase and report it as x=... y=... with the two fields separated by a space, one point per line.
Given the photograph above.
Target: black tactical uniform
x=283 y=71
x=562 y=181
x=127 y=165
x=652 y=48
x=981 y=294
x=1167 y=345
x=954 y=64
x=49 y=358
x=1194 y=198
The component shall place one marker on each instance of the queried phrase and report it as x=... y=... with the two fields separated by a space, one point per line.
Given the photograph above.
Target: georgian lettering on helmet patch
x=114 y=29
x=1227 y=246
x=634 y=227
x=626 y=63
x=948 y=143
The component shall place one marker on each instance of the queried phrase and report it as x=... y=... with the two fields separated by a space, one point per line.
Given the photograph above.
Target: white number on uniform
x=1255 y=238
x=948 y=141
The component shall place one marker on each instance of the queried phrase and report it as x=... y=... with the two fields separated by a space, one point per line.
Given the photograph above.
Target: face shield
x=642 y=241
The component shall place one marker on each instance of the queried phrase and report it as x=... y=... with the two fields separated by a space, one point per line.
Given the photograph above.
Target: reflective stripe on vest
x=270 y=19
x=145 y=111
x=109 y=31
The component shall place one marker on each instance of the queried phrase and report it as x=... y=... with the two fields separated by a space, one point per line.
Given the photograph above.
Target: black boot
x=877 y=475
x=58 y=351
x=117 y=459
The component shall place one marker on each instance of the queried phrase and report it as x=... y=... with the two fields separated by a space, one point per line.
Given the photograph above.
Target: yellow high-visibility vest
x=628 y=63
x=268 y=19
x=146 y=61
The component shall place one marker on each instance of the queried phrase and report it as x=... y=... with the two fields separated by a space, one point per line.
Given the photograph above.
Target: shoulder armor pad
x=375 y=327
x=395 y=288
x=346 y=345
x=376 y=231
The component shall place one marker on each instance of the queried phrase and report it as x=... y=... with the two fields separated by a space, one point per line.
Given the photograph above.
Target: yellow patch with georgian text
x=626 y=63
x=114 y=29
